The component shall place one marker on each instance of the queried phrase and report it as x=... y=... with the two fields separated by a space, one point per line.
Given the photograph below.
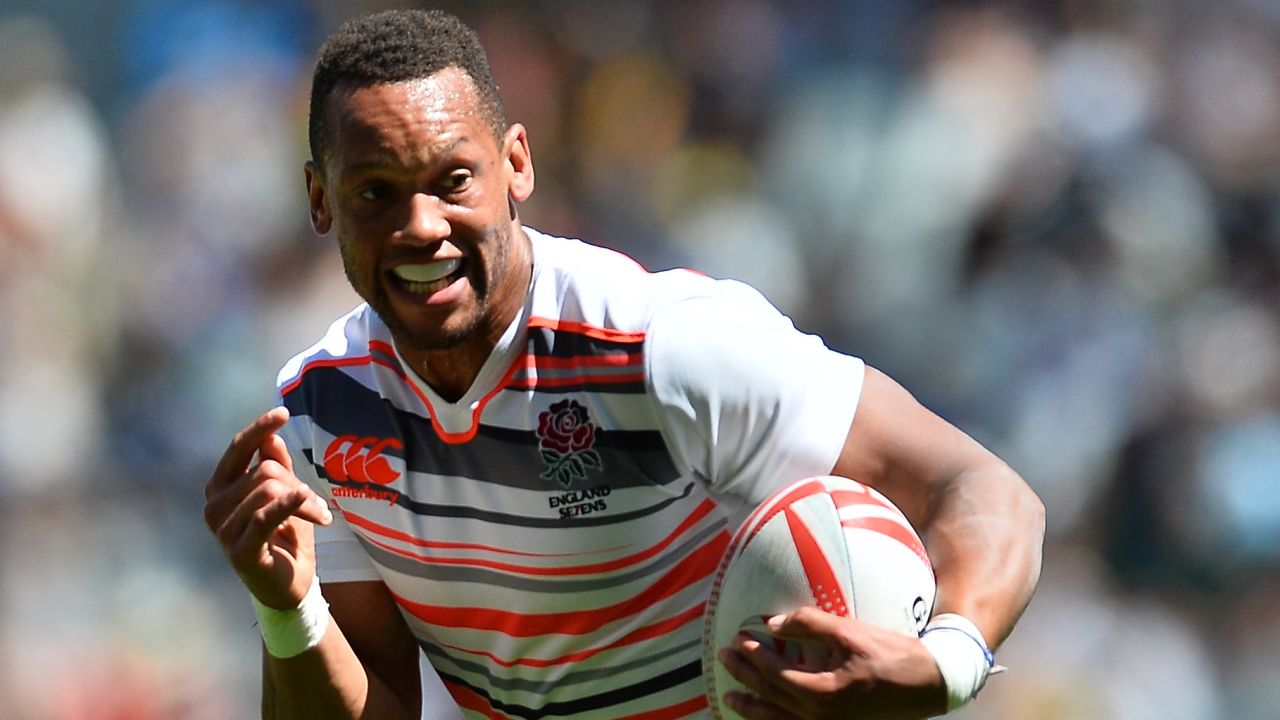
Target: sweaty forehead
x=411 y=116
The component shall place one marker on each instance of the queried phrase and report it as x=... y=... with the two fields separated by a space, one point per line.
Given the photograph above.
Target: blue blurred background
x=1056 y=221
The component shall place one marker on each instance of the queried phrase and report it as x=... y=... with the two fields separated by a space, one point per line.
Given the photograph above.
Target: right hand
x=262 y=514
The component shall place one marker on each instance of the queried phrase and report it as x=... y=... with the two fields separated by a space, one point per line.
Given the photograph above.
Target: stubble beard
x=374 y=292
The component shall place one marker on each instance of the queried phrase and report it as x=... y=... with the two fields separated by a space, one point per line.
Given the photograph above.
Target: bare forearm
x=985 y=536
x=327 y=682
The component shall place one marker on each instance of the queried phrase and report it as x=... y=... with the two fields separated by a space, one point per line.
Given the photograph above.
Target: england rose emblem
x=566 y=441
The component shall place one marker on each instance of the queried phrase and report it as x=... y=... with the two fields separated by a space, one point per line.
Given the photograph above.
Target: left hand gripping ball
x=828 y=542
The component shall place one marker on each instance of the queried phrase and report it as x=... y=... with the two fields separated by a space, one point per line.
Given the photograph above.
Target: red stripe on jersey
x=693 y=569
x=648 y=632
x=703 y=509
x=469 y=699
x=893 y=529
x=619 y=359
x=592 y=331
x=319 y=363
x=817 y=568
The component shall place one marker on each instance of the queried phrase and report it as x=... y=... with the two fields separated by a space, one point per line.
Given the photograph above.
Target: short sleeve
x=339 y=555
x=747 y=401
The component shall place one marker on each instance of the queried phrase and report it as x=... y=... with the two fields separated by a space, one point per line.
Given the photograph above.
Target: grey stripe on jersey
x=513 y=581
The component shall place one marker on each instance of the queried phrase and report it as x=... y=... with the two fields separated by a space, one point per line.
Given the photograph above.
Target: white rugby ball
x=825 y=541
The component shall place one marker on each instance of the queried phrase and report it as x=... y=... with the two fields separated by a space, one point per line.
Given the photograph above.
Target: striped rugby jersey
x=551 y=537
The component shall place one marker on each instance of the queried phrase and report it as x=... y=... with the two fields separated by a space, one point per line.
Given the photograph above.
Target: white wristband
x=962 y=656
x=287 y=633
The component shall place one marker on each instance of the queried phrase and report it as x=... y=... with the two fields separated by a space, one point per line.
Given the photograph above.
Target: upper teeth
x=427 y=272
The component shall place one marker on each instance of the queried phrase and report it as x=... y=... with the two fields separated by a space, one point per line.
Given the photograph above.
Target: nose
x=426 y=222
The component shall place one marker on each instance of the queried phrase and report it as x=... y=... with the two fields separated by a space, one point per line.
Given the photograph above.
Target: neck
x=451 y=372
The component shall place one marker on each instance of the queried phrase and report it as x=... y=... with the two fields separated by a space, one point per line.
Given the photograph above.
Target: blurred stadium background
x=1056 y=221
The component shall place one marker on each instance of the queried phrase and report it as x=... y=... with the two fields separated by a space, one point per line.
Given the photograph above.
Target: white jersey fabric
x=551 y=537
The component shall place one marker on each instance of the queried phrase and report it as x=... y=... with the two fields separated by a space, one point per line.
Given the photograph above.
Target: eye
x=457 y=180
x=374 y=192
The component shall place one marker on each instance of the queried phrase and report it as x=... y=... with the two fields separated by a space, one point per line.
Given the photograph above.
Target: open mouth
x=427 y=278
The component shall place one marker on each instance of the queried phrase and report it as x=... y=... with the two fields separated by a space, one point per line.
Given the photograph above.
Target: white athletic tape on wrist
x=962 y=656
x=287 y=633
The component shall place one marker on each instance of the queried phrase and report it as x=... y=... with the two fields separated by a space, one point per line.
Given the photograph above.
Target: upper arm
x=747 y=401
x=377 y=632
x=982 y=523
x=901 y=448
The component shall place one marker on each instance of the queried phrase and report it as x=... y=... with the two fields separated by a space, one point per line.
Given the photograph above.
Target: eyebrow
x=383 y=159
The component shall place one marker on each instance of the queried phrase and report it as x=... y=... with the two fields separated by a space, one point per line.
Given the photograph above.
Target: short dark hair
x=395 y=46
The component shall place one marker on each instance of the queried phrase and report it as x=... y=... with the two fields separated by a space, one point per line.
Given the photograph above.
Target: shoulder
x=730 y=342
x=570 y=256
x=347 y=339
x=600 y=287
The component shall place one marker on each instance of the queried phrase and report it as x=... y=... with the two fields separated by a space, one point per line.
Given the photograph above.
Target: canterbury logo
x=360 y=459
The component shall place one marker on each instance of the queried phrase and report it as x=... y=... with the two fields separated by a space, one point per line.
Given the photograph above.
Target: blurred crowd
x=1056 y=221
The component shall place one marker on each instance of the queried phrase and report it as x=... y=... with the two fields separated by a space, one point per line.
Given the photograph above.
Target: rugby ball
x=825 y=541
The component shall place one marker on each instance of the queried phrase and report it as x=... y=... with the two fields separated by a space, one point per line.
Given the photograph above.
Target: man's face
x=420 y=193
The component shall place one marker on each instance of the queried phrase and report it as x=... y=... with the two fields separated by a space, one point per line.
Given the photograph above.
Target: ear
x=515 y=149
x=321 y=217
